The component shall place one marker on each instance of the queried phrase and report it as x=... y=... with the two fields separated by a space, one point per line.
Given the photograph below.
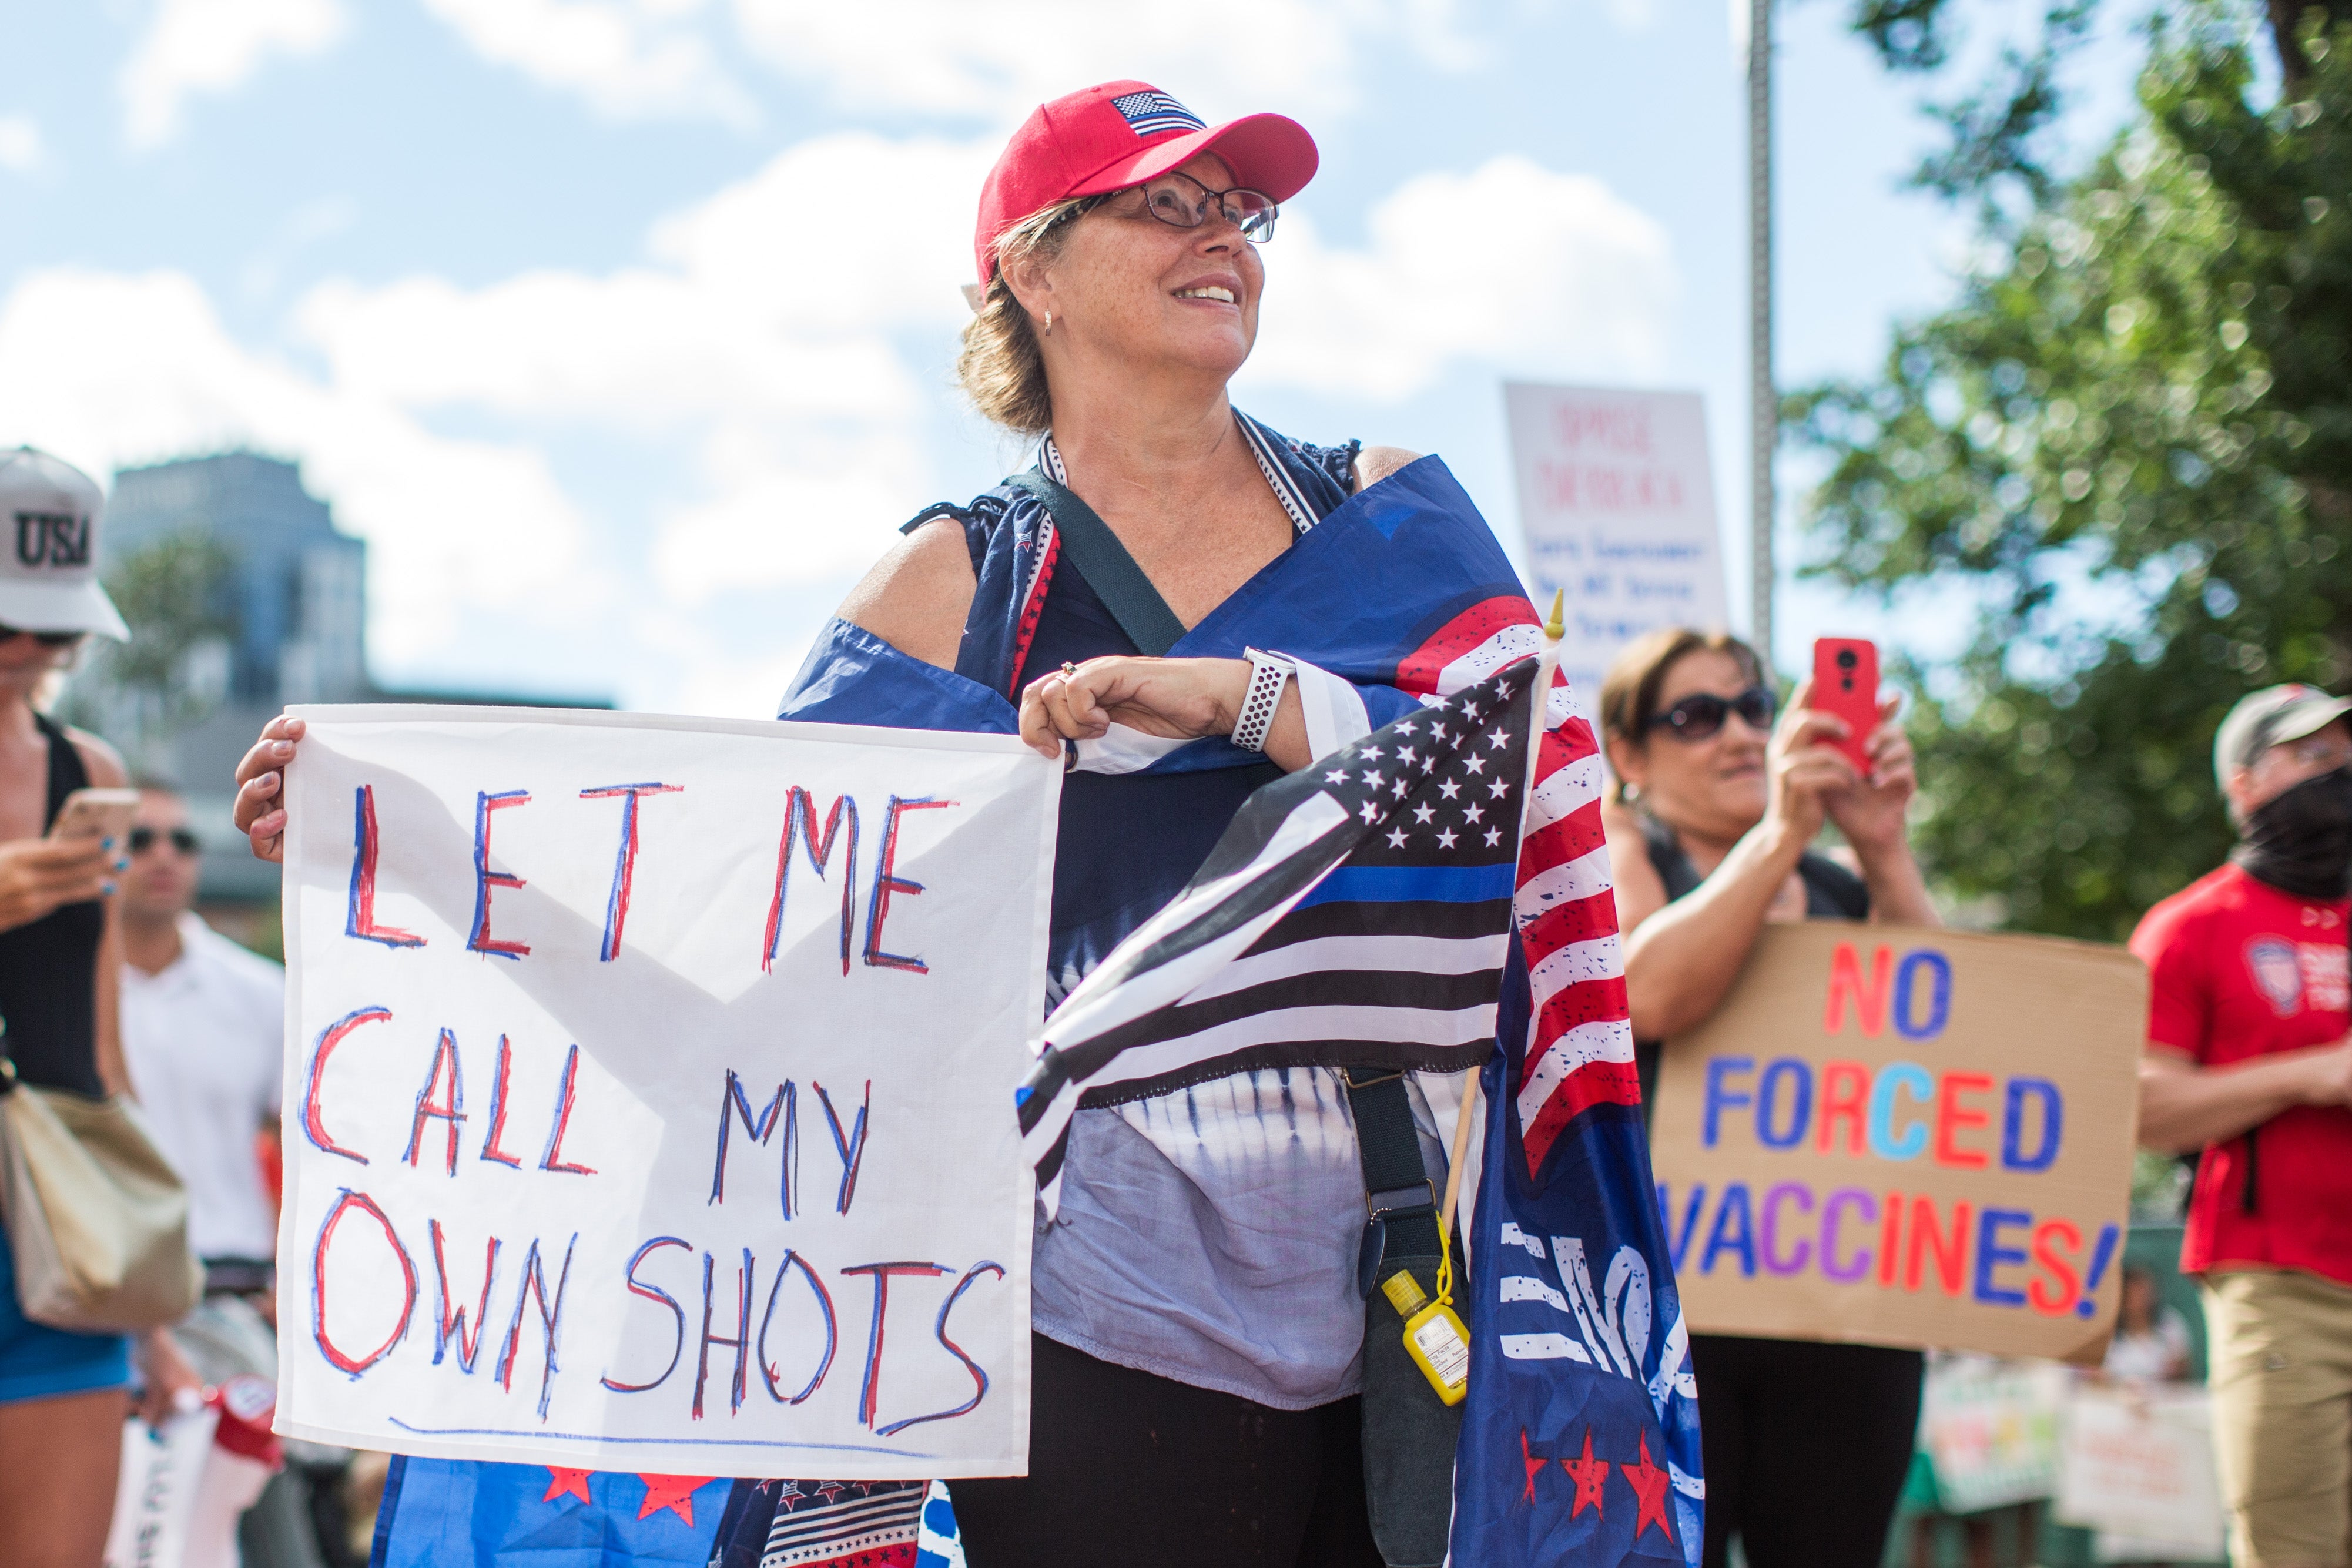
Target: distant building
x=297 y=606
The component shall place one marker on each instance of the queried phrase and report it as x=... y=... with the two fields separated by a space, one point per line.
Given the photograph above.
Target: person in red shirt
x=2249 y=1062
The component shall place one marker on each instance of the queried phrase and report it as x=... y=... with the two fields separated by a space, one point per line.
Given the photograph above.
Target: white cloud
x=717 y=680
x=779 y=356
x=21 y=151
x=630 y=58
x=764 y=334
x=802 y=510
x=108 y=370
x=995 y=61
x=769 y=300
x=1512 y=265
x=214 y=45
x=1000 y=59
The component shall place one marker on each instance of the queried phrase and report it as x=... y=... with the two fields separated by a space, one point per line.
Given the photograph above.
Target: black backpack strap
x=1400 y=1199
x=1106 y=565
x=1668 y=859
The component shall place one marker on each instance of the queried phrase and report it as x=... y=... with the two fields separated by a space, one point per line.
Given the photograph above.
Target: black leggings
x=1141 y=1470
x=1806 y=1448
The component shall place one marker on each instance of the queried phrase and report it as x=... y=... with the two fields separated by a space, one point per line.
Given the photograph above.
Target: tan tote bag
x=97 y=1219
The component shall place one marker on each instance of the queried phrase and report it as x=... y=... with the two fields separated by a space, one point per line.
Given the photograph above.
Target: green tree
x=139 y=694
x=2140 y=404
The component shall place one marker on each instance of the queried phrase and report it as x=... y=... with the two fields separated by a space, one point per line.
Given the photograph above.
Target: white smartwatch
x=1269 y=672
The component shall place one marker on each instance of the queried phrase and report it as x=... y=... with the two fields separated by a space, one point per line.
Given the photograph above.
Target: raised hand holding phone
x=1846 y=684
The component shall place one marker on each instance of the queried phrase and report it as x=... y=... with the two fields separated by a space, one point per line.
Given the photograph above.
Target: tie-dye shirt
x=1207 y=1235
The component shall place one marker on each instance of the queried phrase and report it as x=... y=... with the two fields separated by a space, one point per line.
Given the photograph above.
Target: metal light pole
x=1764 y=411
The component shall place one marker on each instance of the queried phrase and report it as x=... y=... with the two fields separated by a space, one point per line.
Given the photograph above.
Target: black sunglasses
x=47 y=639
x=1700 y=716
x=143 y=839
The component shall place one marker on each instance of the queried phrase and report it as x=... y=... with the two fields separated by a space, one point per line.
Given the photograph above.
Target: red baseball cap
x=1122 y=133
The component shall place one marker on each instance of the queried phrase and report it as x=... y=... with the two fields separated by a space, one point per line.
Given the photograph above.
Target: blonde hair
x=1001 y=368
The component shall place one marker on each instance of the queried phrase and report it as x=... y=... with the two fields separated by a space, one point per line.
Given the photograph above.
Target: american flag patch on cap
x=1153 y=113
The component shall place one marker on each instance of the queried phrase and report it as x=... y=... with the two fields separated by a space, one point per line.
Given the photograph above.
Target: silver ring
x=1068 y=669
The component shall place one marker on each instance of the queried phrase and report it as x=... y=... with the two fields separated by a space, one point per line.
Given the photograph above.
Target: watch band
x=1268 y=673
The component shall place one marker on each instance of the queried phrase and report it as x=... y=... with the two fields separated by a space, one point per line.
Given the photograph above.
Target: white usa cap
x=49 y=548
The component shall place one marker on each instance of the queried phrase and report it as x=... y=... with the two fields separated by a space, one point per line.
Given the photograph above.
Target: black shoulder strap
x=66 y=773
x=1669 y=859
x=1106 y=566
x=1398 y=1194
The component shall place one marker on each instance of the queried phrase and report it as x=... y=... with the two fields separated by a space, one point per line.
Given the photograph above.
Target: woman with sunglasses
x=1711 y=825
x=61 y=1393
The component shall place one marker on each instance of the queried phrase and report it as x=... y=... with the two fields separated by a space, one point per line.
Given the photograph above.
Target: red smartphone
x=1845 y=683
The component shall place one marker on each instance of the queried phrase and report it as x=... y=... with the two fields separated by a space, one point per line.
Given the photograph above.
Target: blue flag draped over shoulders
x=1580 y=1442
x=1579 y=1439
x=1365 y=594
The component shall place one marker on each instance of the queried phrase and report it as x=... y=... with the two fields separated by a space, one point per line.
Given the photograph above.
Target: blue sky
x=621 y=329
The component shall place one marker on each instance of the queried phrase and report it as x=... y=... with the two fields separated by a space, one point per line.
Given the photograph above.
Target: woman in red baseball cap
x=1197 y=1320
x=1198 y=1323
x=1194 y=1393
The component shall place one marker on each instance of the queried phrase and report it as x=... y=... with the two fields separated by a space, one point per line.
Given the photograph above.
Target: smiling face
x=1715 y=787
x=1125 y=286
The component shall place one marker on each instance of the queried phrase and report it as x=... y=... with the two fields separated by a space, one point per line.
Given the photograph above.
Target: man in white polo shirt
x=203 y=1028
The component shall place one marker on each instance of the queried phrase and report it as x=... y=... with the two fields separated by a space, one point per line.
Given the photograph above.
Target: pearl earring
x=1049 y=323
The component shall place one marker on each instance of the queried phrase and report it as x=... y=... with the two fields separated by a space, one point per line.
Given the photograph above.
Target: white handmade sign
x=649 y=1091
x=2138 y=1461
x=1617 y=502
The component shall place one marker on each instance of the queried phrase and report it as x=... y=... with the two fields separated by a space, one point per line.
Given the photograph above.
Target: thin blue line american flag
x=1155 y=113
x=1356 y=913
x=1578 y=1052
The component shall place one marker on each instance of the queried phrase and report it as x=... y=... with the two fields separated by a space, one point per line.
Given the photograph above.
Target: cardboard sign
x=1907 y=1137
x=649 y=1091
x=2138 y=1462
x=1617 y=502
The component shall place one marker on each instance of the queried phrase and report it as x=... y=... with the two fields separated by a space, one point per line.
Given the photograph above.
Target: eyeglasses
x=47 y=639
x=1700 y=716
x=1183 y=202
x=142 y=839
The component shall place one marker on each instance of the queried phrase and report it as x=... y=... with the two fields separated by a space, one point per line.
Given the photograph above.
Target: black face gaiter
x=2301 y=841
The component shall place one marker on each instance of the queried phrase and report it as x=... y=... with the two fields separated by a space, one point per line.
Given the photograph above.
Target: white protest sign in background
x=2137 y=1463
x=1617 y=503
x=649 y=1091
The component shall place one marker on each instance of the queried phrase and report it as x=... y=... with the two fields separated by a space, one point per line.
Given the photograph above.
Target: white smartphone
x=96 y=814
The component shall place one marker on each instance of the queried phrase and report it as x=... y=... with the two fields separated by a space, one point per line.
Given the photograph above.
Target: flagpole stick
x=1554 y=629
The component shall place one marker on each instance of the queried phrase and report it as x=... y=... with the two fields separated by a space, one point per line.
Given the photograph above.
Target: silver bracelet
x=1268 y=674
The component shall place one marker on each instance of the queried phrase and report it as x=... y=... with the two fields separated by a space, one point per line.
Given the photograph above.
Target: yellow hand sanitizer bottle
x=1434 y=1336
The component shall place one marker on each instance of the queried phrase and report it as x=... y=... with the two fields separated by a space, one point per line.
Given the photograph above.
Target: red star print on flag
x=567 y=1483
x=1650 y=1491
x=674 y=1493
x=1589 y=1473
x=1532 y=1463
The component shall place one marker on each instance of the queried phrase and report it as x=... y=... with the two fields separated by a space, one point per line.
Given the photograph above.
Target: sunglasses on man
x=1700 y=716
x=143 y=839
